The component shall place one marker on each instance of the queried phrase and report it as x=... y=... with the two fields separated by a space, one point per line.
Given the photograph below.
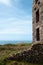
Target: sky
x=16 y=20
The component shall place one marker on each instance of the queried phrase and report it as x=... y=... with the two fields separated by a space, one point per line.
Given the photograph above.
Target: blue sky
x=16 y=20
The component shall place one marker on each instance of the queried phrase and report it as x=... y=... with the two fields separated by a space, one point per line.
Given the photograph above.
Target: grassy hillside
x=10 y=49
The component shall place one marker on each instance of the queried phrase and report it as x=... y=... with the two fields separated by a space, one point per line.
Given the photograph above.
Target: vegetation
x=10 y=49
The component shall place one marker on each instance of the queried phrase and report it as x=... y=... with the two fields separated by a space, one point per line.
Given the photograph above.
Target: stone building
x=37 y=21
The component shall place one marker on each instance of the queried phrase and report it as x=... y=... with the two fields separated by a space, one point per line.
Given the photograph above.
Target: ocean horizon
x=12 y=42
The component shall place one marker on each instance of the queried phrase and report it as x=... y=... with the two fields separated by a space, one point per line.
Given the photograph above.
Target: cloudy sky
x=16 y=20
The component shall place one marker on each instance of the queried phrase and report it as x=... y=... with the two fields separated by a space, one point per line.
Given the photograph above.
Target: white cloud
x=12 y=26
x=6 y=2
x=13 y=31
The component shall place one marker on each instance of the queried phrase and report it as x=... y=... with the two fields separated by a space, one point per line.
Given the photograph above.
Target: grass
x=18 y=63
x=10 y=49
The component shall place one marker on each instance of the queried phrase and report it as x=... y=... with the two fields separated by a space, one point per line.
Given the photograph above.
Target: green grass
x=18 y=63
x=10 y=49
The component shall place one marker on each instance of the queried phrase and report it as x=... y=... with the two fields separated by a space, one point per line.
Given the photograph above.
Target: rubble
x=34 y=55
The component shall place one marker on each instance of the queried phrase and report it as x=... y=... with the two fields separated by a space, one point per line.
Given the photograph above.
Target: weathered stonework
x=37 y=21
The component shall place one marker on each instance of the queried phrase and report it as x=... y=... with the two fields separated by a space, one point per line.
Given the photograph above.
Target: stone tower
x=37 y=21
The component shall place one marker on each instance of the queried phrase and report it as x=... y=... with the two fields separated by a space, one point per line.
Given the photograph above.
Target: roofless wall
x=37 y=21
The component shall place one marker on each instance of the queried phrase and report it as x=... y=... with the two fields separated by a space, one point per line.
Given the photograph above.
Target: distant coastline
x=13 y=42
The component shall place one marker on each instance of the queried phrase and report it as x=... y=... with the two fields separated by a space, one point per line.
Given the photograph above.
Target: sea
x=13 y=42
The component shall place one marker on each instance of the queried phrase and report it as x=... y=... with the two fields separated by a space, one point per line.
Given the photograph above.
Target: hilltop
x=8 y=51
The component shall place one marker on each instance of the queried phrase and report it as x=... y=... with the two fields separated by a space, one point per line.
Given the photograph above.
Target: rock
x=14 y=63
x=34 y=55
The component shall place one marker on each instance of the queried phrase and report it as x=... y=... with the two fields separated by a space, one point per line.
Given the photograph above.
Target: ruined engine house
x=37 y=21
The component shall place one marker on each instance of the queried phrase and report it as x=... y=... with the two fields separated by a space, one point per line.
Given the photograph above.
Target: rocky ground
x=34 y=54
